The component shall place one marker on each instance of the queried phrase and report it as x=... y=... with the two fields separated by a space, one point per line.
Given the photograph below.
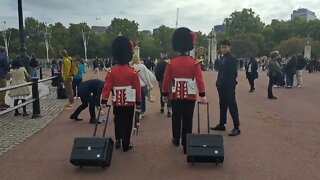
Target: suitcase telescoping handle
x=106 y=123
x=136 y=123
x=208 y=121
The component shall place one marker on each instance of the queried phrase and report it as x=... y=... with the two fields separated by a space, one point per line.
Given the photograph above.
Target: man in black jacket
x=159 y=73
x=89 y=92
x=226 y=84
x=301 y=65
x=252 y=72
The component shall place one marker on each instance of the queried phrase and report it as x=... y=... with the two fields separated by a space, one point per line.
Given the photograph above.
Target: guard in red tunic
x=182 y=81
x=122 y=82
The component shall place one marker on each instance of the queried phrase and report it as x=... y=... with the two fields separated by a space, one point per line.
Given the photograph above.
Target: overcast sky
x=196 y=14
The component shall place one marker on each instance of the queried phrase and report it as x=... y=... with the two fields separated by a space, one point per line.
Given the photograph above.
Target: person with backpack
x=68 y=70
x=77 y=79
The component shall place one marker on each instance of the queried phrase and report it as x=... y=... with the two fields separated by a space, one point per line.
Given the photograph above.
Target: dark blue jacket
x=4 y=66
x=228 y=72
x=160 y=69
x=91 y=88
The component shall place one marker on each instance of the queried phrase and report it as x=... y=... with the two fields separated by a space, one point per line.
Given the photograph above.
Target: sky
x=198 y=15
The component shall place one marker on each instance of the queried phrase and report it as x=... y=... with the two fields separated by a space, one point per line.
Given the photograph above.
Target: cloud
x=197 y=15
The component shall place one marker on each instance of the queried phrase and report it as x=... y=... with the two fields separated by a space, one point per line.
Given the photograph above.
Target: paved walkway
x=279 y=140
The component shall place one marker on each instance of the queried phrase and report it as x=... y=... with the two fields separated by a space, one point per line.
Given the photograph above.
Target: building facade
x=304 y=13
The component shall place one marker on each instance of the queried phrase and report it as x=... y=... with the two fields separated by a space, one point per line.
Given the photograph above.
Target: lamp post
x=6 y=38
x=47 y=38
x=21 y=30
x=85 y=38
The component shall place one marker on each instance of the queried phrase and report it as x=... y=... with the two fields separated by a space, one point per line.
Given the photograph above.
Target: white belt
x=130 y=93
x=121 y=87
x=183 y=79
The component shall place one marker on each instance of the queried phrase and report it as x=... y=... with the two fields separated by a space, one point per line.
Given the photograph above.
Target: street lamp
x=85 y=38
x=6 y=38
x=47 y=38
x=21 y=30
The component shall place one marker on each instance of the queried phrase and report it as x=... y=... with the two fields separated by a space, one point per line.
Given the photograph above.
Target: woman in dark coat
x=290 y=69
x=252 y=72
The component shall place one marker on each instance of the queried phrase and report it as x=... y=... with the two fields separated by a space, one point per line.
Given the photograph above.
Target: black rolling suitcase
x=204 y=148
x=93 y=151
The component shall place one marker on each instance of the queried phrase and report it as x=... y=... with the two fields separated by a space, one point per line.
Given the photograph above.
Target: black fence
x=35 y=100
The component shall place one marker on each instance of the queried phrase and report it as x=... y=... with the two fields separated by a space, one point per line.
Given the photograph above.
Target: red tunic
x=121 y=76
x=182 y=67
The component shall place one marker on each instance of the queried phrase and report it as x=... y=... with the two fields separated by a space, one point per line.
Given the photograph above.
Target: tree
x=244 y=47
x=162 y=40
x=294 y=46
x=244 y=21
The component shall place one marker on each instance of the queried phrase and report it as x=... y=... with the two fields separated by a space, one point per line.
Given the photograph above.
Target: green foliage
x=294 y=46
x=249 y=36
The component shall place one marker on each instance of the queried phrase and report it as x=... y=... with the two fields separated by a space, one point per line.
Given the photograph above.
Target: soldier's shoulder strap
x=198 y=61
x=108 y=70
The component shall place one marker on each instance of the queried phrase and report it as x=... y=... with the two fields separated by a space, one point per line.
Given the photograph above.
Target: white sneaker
x=276 y=86
x=299 y=86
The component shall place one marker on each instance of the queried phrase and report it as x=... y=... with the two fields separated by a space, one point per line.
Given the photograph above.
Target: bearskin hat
x=183 y=40
x=122 y=50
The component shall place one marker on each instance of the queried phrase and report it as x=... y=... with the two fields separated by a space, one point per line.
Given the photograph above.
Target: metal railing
x=35 y=100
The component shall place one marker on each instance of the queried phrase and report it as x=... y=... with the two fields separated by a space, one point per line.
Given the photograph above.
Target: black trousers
x=227 y=99
x=161 y=100
x=251 y=82
x=75 y=86
x=86 y=100
x=272 y=81
x=16 y=102
x=123 y=119
x=182 y=114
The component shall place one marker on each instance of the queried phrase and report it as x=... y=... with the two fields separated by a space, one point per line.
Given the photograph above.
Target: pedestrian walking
x=123 y=83
x=252 y=72
x=19 y=76
x=182 y=78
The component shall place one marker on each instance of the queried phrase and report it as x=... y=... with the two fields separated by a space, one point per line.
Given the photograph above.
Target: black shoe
x=176 y=142
x=128 y=148
x=218 y=127
x=162 y=110
x=25 y=114
x=93 y=121
x=118 y=144
x=169 y=114
x=235 y=132
x=272 y=97
x=17 y=114
x=75 y=118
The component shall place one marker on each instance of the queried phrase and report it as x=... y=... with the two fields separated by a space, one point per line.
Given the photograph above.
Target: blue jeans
x=144 y=91
x=34 y=72
x=289 y=79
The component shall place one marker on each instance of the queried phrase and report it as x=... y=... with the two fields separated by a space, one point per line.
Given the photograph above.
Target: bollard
x=40 y=69
x=35 y=96
x=52 y=71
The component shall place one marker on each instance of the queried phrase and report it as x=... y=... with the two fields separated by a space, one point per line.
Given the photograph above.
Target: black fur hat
x=122 y=50
x=183 y=40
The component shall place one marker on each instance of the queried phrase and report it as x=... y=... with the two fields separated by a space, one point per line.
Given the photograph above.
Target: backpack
x=73 y=68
